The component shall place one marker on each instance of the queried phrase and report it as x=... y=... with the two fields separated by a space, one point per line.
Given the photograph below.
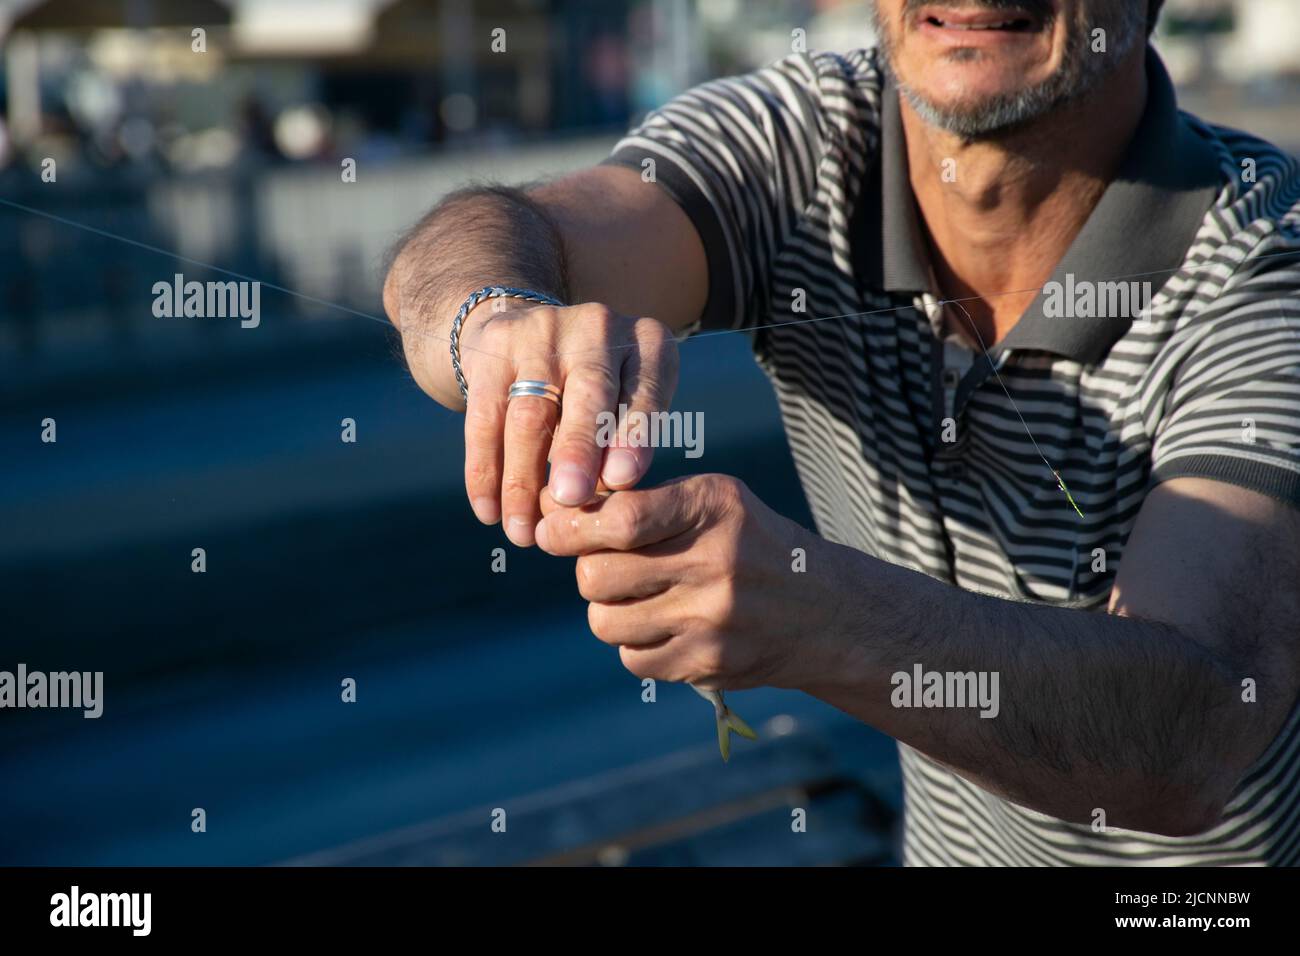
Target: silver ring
x=534 y=389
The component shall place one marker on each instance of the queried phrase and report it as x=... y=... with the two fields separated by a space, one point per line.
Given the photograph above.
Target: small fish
x=727 y=721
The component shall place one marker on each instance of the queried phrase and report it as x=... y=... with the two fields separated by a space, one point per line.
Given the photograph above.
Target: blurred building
x=1241 y=41
x=121 y=81
x=216 y=129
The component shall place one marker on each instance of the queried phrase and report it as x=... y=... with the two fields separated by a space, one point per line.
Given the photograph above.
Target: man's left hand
x=694 y=580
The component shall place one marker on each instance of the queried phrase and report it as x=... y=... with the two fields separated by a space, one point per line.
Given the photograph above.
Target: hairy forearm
x=1093 y=711
x=476 y=237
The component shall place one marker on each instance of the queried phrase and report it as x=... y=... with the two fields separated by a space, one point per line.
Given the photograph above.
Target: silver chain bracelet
x=487 y=292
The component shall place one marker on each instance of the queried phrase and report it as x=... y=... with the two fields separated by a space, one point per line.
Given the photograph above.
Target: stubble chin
x=976 y=116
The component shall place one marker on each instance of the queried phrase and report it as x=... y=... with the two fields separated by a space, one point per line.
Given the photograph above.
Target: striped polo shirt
x=910 y=448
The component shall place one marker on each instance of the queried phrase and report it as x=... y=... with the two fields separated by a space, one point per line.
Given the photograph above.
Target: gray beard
x=1080 y=73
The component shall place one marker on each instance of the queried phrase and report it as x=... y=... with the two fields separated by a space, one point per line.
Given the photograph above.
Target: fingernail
x=570 y=485
x=486 y=510
x=519 y=531
x=542 y=535
x=620 y=467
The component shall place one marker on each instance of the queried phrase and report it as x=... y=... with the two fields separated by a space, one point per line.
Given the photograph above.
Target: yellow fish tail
x=729 y=723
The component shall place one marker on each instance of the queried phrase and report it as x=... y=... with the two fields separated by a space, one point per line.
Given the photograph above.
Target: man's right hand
x=599 y=235
x=597 y=358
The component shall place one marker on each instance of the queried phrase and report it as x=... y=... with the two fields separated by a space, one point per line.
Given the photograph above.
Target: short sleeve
x=1233 y=408
x=740 y=156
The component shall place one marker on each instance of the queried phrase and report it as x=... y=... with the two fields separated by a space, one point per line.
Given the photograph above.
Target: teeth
x=1006 y=24
x=979 y=26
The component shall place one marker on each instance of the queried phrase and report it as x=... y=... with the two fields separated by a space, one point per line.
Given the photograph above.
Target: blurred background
x=144 y=138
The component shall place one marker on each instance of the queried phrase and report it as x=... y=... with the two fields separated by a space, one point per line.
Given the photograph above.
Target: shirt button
x=951 y=378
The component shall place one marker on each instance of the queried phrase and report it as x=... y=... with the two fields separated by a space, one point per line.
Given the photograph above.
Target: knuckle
x=657 y=344
x=709 y=659
x=599 y=313
x=723 y=565
x=637 y=664
x=627 y=520
x=647 y=385
x=656 y=332
x=731 y=487
x=599 y=623
x=530 y=414
x=574 y=445
x=657 y=341
x=592 y=382
x=589 y=578
x=587 y=340
x=542 y=323
x=538 y=312
x=481 y=474
x=516 y=486
x=725 y=492
x=723 y=602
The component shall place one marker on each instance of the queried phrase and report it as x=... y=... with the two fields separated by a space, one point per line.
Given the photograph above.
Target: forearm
x=1093 y=710
x=472 y=239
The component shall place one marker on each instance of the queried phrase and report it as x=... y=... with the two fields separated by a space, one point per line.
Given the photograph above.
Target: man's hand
x=600 y=235
x=598 y=359
x=693 y=581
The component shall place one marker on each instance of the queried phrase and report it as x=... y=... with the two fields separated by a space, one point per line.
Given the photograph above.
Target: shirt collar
x=1140 y=230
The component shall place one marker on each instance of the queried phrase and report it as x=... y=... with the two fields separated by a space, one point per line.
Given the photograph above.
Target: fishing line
x=1060 y=482
x=103 y=233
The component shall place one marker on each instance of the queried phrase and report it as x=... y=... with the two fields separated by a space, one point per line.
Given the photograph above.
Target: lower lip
x=970 y=38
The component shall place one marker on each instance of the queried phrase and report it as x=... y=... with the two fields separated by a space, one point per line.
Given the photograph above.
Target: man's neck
x=1000 y=214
